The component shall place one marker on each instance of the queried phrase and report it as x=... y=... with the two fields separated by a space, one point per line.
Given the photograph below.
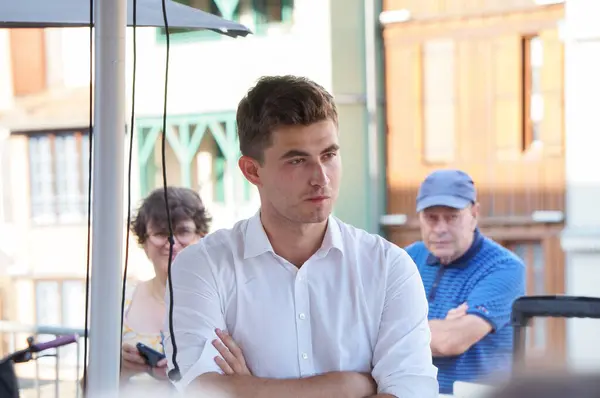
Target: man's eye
x=296 y=161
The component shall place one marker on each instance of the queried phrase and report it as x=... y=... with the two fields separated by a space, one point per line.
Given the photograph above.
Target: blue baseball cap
x=450 y=188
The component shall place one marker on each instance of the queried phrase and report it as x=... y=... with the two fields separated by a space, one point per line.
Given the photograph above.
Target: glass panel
x=67 y=175
x=73 y=311
x=41 y=179
x=85 y=167
x=47 y=311
x=46 y=302
x=536 y=62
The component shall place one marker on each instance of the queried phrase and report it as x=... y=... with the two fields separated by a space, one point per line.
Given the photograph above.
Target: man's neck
x=294 y=242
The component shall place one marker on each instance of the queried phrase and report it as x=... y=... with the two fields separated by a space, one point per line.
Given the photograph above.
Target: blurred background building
x=44 y=117
x=478 y=85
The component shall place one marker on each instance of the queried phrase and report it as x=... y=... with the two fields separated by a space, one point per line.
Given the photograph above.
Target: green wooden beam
x=220 y=137
x=197 y=137
x=147 y=142
x=227 y=7
x=174 y=142
x=186 y=156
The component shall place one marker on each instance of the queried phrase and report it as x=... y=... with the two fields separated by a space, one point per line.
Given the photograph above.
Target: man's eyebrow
x=331 y=148
x=292 y=153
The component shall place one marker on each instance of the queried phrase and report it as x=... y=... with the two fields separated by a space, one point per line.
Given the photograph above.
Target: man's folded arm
x=329 y=385
x=402 y=362
x=489 y=308
x=197 y=314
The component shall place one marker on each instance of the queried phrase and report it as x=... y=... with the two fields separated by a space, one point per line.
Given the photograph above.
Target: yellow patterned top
x=130 y=336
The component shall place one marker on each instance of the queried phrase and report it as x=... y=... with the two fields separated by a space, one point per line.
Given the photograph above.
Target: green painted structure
x=230 y=9
x=184 y=135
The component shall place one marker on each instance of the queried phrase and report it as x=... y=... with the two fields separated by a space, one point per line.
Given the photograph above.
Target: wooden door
x=544 y=276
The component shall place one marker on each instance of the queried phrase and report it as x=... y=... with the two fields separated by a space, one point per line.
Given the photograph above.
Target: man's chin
x=316 y=217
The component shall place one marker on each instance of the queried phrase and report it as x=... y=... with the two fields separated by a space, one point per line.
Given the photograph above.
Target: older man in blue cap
x=470 y=281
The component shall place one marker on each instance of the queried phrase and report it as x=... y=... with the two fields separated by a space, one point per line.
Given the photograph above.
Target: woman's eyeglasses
x=183 y=236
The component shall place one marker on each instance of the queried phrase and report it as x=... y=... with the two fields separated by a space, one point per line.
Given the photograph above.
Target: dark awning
x=75 y=13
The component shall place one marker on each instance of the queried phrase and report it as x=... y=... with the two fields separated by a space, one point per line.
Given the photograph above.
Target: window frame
x=434 y=48
x=529 y=126
x=58 y=217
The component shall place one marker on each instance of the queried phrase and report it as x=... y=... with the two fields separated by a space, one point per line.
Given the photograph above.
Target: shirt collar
x=463 y=260
x=332 y=239
x=256 y=241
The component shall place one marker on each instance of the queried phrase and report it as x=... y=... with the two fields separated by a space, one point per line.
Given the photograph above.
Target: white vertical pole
x=372 y=93
x=107 y=227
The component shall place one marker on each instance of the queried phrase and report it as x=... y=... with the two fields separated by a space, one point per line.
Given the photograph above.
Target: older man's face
x=448 y=232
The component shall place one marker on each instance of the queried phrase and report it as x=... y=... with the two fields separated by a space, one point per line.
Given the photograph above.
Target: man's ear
x=475 y=212
x=249 y=168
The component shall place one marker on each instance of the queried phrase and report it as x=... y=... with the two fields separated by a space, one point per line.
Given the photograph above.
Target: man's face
x=300 y=174
x=448 y=232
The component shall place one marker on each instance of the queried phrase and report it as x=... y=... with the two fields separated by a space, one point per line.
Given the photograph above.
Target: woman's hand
x=132 y=362
x=160 y=371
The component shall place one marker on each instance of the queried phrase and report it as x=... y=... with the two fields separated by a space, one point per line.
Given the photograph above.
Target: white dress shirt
x=358 y=304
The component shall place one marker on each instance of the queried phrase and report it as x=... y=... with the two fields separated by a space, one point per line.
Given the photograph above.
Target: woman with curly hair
x=145 y=307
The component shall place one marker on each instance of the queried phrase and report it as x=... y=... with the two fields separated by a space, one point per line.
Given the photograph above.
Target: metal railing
x=64 y=373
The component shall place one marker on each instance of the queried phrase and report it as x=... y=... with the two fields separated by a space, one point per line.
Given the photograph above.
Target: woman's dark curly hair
x=184 y=204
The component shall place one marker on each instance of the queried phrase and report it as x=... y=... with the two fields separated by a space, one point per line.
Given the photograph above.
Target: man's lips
x=317 y=198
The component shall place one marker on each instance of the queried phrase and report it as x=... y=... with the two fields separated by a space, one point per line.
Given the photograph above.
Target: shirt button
x=302 y=316
x=300 y=278
x=304 y=355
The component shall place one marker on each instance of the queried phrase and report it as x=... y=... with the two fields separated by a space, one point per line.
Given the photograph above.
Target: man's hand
x=231 y=361
x=457 y=312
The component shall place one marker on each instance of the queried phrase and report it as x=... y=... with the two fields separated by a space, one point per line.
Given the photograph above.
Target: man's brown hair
x=277 y=101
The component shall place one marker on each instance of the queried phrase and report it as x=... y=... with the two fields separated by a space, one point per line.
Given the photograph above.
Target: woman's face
x=156 y=245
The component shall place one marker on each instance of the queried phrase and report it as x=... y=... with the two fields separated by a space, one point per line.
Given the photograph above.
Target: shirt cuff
x=205 y=364
x=485 y=314
x=412 y=387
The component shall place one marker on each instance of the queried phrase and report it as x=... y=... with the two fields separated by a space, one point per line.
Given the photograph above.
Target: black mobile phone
x=150 y=355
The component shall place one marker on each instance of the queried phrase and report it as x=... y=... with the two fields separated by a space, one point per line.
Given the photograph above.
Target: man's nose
x=319 y=176
x=440 y=227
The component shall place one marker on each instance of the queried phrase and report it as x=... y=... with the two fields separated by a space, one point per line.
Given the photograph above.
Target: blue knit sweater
x=488 y=277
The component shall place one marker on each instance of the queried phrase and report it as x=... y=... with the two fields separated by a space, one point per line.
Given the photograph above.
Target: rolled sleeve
x=493 y=296
x=196 y=314
x=402 y=361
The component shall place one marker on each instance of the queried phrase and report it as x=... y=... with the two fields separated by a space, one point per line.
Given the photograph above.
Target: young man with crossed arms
x=320 y=308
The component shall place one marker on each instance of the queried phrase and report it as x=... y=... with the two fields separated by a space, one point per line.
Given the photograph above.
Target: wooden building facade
x=478 y=85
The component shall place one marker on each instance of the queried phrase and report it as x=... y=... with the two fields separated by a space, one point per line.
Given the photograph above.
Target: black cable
x=89 y=199
x=129 y=163
x=174 y=374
